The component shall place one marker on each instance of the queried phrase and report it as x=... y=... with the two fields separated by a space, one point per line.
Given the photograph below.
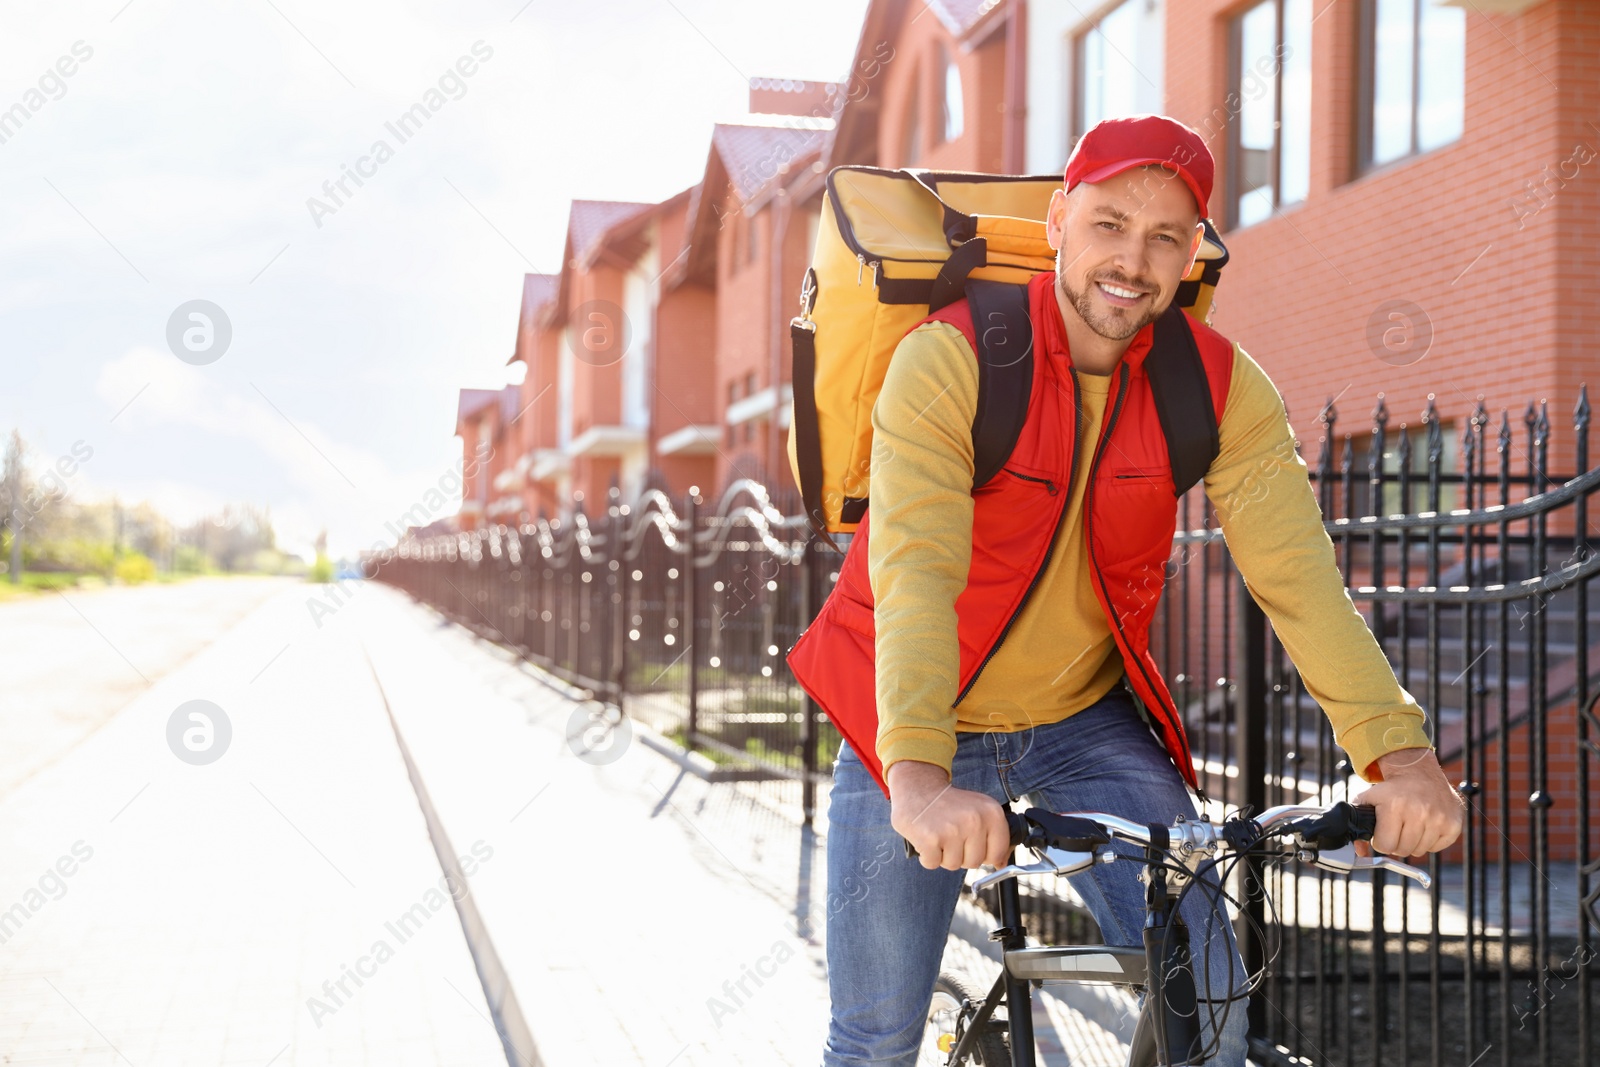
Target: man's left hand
x=1418 y=810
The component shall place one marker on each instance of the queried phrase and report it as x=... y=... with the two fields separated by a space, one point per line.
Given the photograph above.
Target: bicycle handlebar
x=1070 y=842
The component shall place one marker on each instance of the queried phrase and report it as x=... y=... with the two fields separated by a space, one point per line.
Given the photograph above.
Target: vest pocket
x=1048 y=484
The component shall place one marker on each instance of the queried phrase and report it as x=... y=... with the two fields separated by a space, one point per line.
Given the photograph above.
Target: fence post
x=1251 y=724
x=691 y=621
x=616 y=602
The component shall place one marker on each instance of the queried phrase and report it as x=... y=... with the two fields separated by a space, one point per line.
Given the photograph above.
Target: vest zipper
x=1072 y=473
x=1088 y=512
x=1048 y=484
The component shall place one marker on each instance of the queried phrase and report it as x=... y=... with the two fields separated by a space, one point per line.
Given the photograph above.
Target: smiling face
x=1122 y=247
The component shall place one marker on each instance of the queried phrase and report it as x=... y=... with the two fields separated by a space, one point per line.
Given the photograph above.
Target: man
x=1011 y=621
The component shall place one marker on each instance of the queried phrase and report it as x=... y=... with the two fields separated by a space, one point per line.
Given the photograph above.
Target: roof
x=959 y=16
x=753 y=151
x=538 y=291
x=473 y=401
x=590 y=219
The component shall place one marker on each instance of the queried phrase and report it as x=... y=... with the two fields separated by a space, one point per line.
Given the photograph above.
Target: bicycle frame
x=1169 y=1019
x=1168 y=1024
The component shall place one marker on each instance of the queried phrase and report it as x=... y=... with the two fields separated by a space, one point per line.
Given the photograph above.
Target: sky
x=162 y=152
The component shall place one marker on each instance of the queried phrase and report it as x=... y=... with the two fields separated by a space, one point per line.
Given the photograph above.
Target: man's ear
x=1055 y=220
x=1194 y=246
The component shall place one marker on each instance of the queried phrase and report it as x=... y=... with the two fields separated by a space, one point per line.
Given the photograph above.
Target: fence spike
x=1580 y=414
x=1435 y=432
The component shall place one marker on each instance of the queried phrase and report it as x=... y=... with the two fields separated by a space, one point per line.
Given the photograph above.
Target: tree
x=13 y=490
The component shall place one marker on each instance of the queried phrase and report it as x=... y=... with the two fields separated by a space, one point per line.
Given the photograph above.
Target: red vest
x=1131 y=512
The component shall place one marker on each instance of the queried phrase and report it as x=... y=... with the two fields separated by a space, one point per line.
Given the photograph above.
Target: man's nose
x=1132 y=259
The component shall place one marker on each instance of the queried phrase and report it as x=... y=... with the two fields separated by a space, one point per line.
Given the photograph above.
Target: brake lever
x=1055 y=861
x=1346 y=861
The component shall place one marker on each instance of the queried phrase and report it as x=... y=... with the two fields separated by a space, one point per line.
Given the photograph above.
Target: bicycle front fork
x=1168 y=1031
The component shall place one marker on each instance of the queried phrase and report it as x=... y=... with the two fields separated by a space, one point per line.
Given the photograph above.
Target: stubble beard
x=1108 y=324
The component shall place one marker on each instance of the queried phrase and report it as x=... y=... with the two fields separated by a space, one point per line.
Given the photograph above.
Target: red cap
x=1114 y=145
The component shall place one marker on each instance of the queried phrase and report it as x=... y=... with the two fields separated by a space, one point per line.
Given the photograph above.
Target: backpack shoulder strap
x=1183 y=399
x=1003 y=333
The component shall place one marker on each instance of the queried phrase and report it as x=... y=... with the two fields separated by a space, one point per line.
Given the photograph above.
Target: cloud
x=343 y=486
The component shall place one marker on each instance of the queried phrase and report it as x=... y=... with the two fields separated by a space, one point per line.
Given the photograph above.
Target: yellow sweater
x=1060 y=657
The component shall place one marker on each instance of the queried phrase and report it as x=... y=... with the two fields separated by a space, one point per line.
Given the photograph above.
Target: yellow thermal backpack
x=894 y=246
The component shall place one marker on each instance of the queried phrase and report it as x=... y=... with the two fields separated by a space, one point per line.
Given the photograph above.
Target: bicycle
x=1167 y=1033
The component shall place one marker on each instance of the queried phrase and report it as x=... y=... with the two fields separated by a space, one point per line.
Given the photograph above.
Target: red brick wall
x=684 y=389
x=596 y=390
x=1301 y=286
x=541 y=404
x=915 y=68
x=1515 y=834
x=743 y=314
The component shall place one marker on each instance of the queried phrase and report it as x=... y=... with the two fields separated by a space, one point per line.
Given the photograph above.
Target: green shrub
x=134 y=568
x=321 y=570
x=188 y=559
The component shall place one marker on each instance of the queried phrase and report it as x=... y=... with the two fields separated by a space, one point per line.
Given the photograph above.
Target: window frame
x=1077 y=121
x=912 y=135
x=1366 y=89
x=947 y=64
x=1232 y=150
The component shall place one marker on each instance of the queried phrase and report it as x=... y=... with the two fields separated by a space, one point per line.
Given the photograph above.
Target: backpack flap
x=884 y=240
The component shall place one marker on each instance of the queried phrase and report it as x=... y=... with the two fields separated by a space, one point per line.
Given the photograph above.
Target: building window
x=911 y=151
x=1413 y=65
x=750 y=384
x=954 y=103
x=1118 y=65
x=752 y=238
x=1269 y=145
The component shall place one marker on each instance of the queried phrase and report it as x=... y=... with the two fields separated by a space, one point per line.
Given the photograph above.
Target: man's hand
x=949 y=827
x=1418 y=810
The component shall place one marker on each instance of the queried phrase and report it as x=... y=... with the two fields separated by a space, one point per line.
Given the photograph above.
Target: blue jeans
x=889 y=917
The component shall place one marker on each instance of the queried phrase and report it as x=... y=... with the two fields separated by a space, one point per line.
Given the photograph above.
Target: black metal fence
x=1472 y=562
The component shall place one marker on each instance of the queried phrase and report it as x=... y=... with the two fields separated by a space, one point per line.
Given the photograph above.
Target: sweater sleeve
x=1270 y=518
x=920 y=546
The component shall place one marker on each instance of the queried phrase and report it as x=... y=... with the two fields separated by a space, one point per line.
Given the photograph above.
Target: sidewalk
x=628 y=899
x=157 y=912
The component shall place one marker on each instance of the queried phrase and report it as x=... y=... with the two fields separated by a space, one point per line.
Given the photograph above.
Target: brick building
x=1353 y=143
x=486 y=422
x=751 y=231
x=1402 y=187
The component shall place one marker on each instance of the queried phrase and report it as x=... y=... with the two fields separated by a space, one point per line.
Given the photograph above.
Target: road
x=159 y=910
x=73 y=659
x=302 y=898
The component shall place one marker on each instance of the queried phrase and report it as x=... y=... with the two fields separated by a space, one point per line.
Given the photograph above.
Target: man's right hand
x=949 y=827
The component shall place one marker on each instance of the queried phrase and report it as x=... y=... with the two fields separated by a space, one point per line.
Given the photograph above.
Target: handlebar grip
x=1336 y=827
x=1363 y=822
x=1019 y=833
